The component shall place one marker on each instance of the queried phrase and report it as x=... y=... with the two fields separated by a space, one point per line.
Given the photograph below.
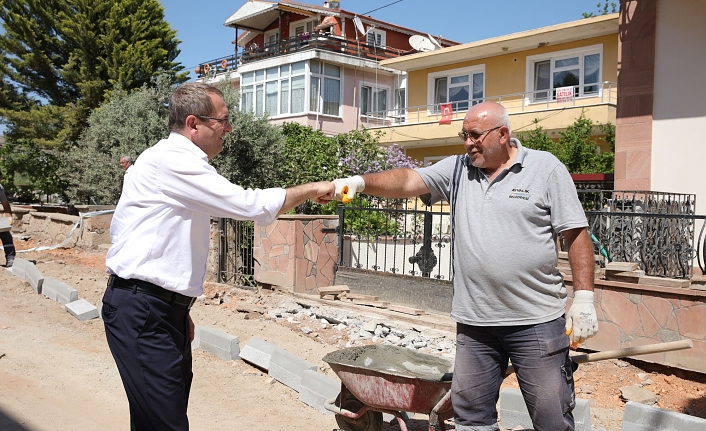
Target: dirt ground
x=56 y=373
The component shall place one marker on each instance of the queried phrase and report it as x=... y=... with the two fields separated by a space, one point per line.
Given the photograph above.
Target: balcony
x=410 y=127
x=295 y=44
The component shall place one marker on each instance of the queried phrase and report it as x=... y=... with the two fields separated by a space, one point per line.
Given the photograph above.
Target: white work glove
x=581 y=320
x=346 y=188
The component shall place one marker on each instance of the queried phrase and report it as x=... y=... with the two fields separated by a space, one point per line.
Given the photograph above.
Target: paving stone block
x=35 y=278
x=17 y=272
x=58 y=291
x=82 y=309
x=513 y=411
x=288 y=369
x=217 y=342
x=316 y=389
x=258 y=352
x=19 y=268
x=641 y=417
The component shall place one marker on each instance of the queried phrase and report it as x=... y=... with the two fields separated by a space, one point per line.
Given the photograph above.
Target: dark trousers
x=7 y=244
x=149 y=339
x=540 y=357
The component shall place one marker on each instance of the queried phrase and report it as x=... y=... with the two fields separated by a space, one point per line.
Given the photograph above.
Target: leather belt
x=151 y=289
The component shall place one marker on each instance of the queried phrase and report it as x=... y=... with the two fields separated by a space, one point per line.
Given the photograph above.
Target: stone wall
x=631 y=314
x=298 y=252
x=54 y=228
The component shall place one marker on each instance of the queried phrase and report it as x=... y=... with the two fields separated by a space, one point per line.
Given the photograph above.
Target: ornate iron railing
x=235 y=252
x=396 y=236
x=654 y=229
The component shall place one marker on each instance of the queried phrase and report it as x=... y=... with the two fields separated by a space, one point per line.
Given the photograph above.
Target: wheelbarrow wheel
x=369 y=421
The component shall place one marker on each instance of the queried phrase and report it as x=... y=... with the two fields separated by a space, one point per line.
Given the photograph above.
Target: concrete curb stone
x=258 y=352
x=513 y=411
x=58 y=291
x=217 y=342
x=641 y=417
x=316 y=389
x=82 y=309
x=288 y=369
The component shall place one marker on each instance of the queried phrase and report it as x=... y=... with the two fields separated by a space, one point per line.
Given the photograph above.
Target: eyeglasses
x=474 y=136
x=220 y=120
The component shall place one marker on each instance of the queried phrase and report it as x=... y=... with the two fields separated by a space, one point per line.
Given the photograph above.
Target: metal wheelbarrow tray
x=379 y=379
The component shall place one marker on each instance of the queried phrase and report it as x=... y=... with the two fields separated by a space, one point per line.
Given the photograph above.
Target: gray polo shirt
x=505 y=261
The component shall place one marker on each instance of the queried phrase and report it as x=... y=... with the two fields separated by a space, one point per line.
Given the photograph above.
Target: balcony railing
x=604 y=93
x=302 y=42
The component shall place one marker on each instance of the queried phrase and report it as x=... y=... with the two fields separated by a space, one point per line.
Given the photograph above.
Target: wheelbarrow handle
x=629 y=351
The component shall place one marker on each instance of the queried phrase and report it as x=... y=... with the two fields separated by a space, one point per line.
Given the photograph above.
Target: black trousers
x=7 y=244
x=149 y=339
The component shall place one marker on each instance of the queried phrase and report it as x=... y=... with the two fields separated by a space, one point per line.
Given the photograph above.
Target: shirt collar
x=182 y=141
x=521 y=152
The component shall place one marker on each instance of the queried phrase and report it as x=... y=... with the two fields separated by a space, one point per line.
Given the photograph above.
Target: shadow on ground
x=9 y=424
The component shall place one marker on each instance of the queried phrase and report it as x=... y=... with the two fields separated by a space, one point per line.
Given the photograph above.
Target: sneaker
x=9 y=262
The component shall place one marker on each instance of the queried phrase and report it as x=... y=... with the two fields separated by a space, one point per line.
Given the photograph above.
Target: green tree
x=30 y=170
x=60 y=58
x=126 y=125
x=602 y=9
x=577 y=147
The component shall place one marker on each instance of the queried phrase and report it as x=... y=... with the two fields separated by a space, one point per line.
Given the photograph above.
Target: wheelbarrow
x=379 y=379
x=389 y=379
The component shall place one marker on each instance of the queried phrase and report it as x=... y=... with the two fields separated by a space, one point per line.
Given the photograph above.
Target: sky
x=199 y=25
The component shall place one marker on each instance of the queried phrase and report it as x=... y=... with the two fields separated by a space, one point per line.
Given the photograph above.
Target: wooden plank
x=624 y=276
x=333 y=290
x=378 y=304
x=622 y=266
x=329 y=297
x=362 y=297
x=406 y=310
x=666 y=282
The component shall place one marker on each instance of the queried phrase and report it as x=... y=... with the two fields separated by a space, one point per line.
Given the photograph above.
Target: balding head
x=490 y=113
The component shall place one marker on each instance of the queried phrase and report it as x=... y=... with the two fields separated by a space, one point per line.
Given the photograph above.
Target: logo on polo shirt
x=520 y=194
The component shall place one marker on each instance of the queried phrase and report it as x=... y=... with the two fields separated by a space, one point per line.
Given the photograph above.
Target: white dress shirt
x=160 y=229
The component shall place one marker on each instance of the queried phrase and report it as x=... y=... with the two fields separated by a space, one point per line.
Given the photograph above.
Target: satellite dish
x=359 y=25
x=421 y=43
x=434 y=41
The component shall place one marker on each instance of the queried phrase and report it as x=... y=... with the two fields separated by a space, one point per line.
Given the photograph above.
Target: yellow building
x=547 y=76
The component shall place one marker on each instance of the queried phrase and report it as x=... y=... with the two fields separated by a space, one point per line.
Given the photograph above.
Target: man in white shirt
x=160 y=236
x=6 y=237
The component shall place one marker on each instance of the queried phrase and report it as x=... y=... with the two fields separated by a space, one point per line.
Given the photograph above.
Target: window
x=373 y=100
x=325 y=88
x=578 y=68
x=271 y=38
x=303 y=26
x=460 y=87
x=376 y=37
x=400 y=103
x=276 y=90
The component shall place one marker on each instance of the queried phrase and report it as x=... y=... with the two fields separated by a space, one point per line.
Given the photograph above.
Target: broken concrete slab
x=58 y=291
x=513 y=411
x=258 y=352
x=638 y=395
x=218 y=343
x=316 y=389
x=288 y=368
x=640 y=417
x=82 y=309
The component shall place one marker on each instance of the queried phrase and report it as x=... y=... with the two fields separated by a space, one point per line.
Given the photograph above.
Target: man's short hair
x=192 y=98
x=127 y=159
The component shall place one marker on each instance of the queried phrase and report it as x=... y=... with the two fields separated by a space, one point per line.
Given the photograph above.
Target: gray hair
x=192 y=98
x=127 y=159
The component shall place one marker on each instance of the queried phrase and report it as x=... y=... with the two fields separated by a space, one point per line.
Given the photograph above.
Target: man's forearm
x=298 y=194
x=581 y=259
x=395 y=183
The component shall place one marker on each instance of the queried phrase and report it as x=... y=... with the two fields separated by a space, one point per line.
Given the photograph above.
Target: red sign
x=447 y=113
x=565 y=94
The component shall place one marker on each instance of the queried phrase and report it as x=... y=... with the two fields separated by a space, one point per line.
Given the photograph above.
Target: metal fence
x=236 y=264
x=400 y=236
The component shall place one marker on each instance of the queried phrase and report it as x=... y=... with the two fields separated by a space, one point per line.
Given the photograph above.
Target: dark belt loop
x=134 y=289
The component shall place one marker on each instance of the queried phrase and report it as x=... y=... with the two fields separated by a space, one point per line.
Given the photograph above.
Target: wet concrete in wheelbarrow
x=394 y=360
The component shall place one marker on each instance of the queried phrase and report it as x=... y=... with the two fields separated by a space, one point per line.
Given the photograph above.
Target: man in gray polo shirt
x=508 y=203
